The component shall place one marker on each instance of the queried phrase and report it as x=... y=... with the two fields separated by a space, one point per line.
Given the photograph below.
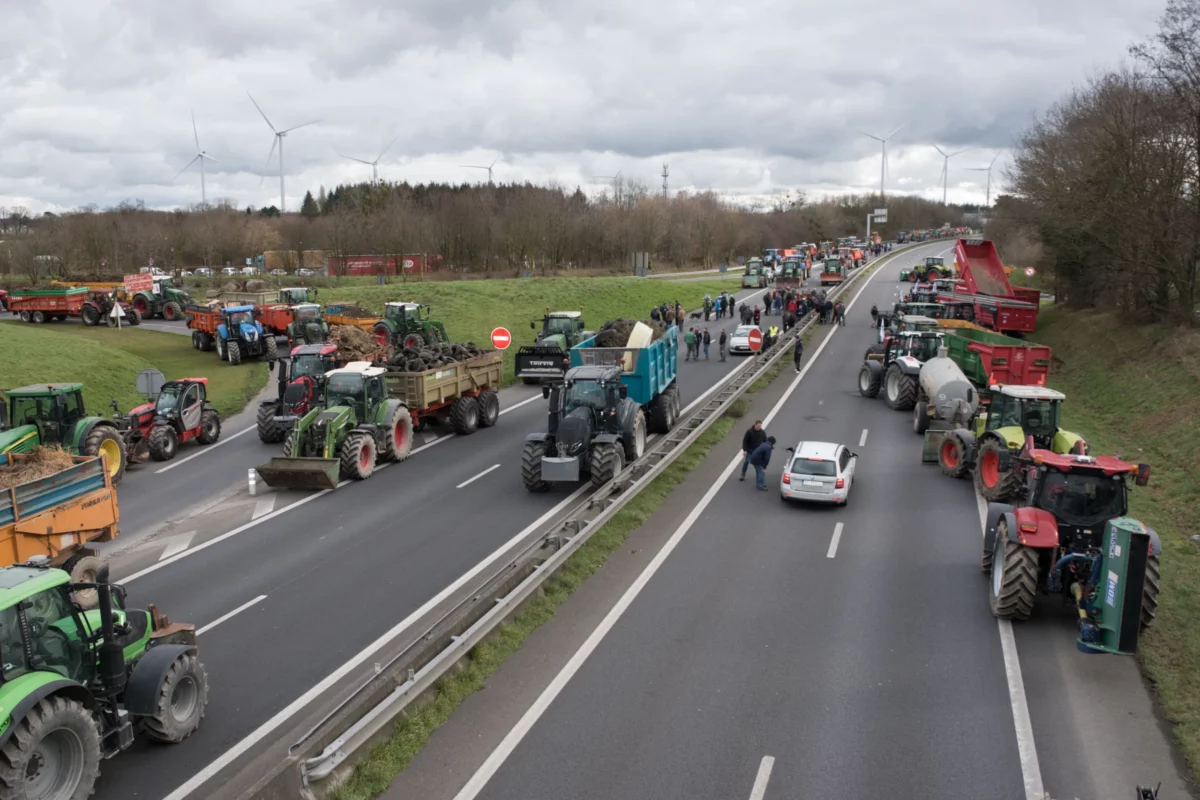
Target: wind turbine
x=883 y=164
x=988 y=170
x=277 y=141
x=374 y=165
x=946 y=167
x=488 y=168
x=200 y=156
x=613 y=178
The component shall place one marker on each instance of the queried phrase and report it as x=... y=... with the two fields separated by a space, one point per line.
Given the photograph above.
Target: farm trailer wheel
x=464 y=415
x=531 y=466
x=635 y=443
x=489 y=408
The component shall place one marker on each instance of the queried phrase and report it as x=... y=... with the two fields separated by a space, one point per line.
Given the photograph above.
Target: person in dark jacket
x=759 y=459
x=798 y=353
x=750 y=442
x=721 y=343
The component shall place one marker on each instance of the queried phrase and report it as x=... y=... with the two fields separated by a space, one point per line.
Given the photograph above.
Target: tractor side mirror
x=1143 y=475
x=545 y=392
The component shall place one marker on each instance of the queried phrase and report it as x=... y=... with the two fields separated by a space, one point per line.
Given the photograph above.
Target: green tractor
x=53 y=414
x=404 y=326
x=164 y=300
x=308 y=325
x=78 y=683
x=933 y=269
x=547 y=357
x=357 y=425
x=295 y=295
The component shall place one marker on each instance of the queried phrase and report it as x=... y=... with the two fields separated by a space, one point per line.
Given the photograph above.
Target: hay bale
x=41 y=462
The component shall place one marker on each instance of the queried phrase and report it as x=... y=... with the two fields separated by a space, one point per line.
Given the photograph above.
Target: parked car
x=279 y=272
x=249 y=270
x=230 y=271
x=185 y=273
x=304 y=273
x=819 y=472
x=203 y=272
x=740 y=341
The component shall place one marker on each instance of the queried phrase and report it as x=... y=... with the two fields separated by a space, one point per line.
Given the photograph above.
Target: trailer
x=432 y=395
x=981 y=272
x=989 y=359
x=233 y=330
x=351 y=314
x=44 y=305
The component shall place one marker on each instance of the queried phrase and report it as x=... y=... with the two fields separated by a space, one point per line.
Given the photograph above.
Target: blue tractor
x=240 y=335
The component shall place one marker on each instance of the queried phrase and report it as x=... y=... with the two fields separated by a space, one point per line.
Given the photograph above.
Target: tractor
x=1067 y=534
x=308 y=324
x=755 y=276
x=547 y=357
x=238 y=335
x=53 y=414
x=164 y=300
x=357 y=425
x=180 y=413
x=895 y=366
x=933 y=269
x=301 y=387
x=79 y=683
x=404 y=327
x=97 y=309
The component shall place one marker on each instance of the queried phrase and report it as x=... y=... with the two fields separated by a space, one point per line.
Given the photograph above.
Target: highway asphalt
x=291 y=596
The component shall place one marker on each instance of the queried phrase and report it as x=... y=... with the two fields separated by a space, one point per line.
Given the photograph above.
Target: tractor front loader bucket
x=300 y=473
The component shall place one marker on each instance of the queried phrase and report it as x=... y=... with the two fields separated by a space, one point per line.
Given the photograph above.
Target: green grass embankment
x=1135 y=391
x=107 y=362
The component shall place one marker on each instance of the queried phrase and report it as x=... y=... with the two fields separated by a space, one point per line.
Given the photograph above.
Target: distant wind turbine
x=200 y=156
x=488 y=168
x=988 y=170
x=883 y=163
x=613 y=178
x=277 y=142
x=946 y=167
x=374 y=165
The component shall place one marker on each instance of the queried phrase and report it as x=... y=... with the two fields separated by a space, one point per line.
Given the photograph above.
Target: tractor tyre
x=53 y=753
x=397 y=435
x=899 y=390
x=933 y=275
x=920 y=418
x=288 y=441
x=358 y=456
x=952 y=457
x=210 y=427
x=181 y=701
x=26 y=316
x=869 y=379
x=272 y=346
x=382 y=334
x=143 y=306
x=233 y=352
x=659 y=413
x=413 y=341
x=489 y=408
x=1014 y=577
x=269 y=431
x=90 y=315
x=83 y=569
x=38 y=317
x=464 y=416
x=635 y=441
x=163 y=443
x=996 y=485
x=104 y=438
x=172 y=311
x=133 y=316
x=110 y=322
x=222 y=350
x=1150 y=592
x=206 y=342
x=605 y=463
x=531 y=467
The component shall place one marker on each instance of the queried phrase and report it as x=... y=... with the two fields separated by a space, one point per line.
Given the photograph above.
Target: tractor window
x=1005 y=413
x=303 y=315
x=54 y=634
x=584 y=393
x=168 y=399
x=71 y=406
x=344 y=390
x=1040 y=418
x=309 y=364
x=28 y=410
x=376 y=392
x=12 y=651
x=1082 y=498
x=557 y=325
x=241 y=318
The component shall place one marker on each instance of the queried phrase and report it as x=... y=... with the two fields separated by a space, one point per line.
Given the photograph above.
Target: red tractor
x=301 y=386
x=180 y=413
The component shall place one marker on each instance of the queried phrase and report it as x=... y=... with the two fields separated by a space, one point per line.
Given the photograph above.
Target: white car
x=305 y=273
x=740 y=341
x=819 y=472
x=204 y=272
x=278 y=272
x=230 y=271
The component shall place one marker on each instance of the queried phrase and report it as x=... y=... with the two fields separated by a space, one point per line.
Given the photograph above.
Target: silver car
x=819 y=472
x=739 y=342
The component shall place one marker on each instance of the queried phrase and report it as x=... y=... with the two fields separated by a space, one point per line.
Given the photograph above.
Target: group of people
x=667 y=313
x=697 y=339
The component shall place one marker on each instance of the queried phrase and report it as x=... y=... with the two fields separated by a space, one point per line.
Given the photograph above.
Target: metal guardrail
x=416 y=670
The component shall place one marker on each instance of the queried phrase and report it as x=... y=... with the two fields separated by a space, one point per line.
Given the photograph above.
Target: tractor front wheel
x=233 y=351
x=489 y=408
x=531 y=467
x=869 y=378
x=900 y=390
x=1150 y=592
x=952 y=457
x=1014 y=577
x=90 y=315
x=210 y=427
x=635 y=442
x=464 y=415
x=994 y=483
x=53 y=753
x=398 y=435
x=605 y=464
x=413 y=341
x=222 y=352
x=272 y=346
x=133 y=316
x=182 y=697
x=172 y=311
x=358 y=456
x=269 y=431
x=163 y=443
x=105 y=439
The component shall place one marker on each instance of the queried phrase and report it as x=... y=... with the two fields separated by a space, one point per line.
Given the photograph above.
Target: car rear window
x=814 y=466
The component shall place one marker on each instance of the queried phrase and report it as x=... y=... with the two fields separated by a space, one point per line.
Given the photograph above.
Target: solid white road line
x=204 y=449
x=862 y=440
x=264 y=505
x=339 y=674
x=837 y=537
x=177 y=544
x=477 y=477
x=233 y=613
x=1031 y=770
x=503 y=750
x=759 y=790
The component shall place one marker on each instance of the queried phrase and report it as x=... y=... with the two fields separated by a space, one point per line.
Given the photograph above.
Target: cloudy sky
x=746 y=98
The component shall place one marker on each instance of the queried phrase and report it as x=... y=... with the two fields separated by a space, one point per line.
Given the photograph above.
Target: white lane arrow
x=176 y=544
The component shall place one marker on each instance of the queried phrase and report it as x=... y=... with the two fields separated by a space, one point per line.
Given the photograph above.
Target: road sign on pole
x=117 y=313
x=1029 y=271
x=754 y=339
x=501 y=338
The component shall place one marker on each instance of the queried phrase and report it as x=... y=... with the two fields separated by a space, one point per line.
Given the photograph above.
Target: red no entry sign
x=1029 y=272
x=501 y=338
x=754 y=339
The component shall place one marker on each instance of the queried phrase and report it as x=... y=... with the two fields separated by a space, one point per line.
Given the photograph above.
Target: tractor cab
x=560 y=323
x=935 y=262
x=180 y=403
x=313 y=361
x=236 y=316
x=304 y=313
x=1035 y=410
x=405 y=313
x=358 y=386
x=590 y=394
x=408 y=325
x=53 y=408
x=297 y=295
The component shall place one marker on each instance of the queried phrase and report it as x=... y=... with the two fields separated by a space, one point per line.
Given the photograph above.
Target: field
x=1135 y=391
x=107 y=363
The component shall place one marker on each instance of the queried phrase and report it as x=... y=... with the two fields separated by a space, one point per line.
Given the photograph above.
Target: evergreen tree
x=309 y=207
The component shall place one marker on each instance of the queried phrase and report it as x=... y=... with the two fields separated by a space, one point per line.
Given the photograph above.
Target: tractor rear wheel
x=489 y=408
x=90 y=315
x=952 y=457
x=869 y=378
x=1150 y=592
x=382 y=333
x=605 y=463
x=83 y=569
x=531 y=467
x=105 y=439
x=210 y=427
x=222 y=352
x=900 y=390
x=53 y=753
x=143 y=306
x=397 y=435
x=358 y=456
x=1014 y=577
x=181 y=701
x=464 y=416
x=635 y=442
x=233 y=352
x=163 y=443
x=269 y=431
x=172 y=311
x=994 y=483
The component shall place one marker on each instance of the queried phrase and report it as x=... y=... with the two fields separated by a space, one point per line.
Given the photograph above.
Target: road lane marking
x=759 y=790
x=862 y=440
x=177 y=544
x=264 y=505
x=837 y=537
x=203 y=449
x=500 y=754
x=267 y=728
x=235 y=612
x=477 y=477
x=1031 y=770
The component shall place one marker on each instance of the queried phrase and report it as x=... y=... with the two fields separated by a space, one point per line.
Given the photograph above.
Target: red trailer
x=981 y=273
x=415 y=264
x=41 y=305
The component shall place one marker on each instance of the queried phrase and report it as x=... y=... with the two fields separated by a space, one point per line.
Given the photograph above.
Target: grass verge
x=1135 y=391
x=389 y=758
x=107 y=362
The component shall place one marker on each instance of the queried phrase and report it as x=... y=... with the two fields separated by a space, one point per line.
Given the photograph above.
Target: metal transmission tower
x=665 y=173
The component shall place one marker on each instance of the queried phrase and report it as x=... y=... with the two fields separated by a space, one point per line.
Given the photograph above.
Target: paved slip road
x=284 y=600
x=804 y=652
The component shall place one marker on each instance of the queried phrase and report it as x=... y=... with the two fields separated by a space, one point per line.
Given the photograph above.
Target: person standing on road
x=874 y=315
x=721 y=345
x=839 y=314
x=706 y=341
x=759 y=459
x=750 y=442
x=689 y=339
x=655 y=315
x=798 y=353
